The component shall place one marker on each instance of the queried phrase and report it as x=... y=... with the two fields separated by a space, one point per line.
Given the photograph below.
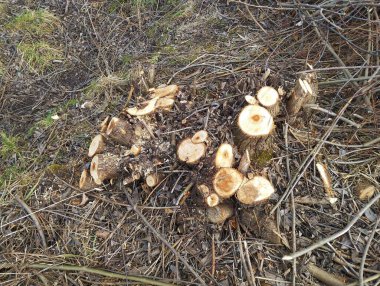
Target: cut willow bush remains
x=222 y=181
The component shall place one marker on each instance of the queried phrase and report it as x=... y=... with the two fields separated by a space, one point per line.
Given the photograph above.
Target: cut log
x=227 y=181
x=135 y=150
x=200 y=137
x=252 y=133
x=153 y=179
x=121 y=131
x=103 y=126
x=212 y=200
x=209 y=196
x=304 y=92
x=269 y=98
x=224 y=157
x=220 y=213
x=86 y=182
x=189 y=152
x=104 y=167
x=164 y=103
x=169 y=91
x=254 y=191
x=97 y=146
x=250 y=99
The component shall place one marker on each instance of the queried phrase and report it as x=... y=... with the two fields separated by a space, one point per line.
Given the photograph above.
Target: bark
x=86 y=182
x=220 y=213
x=104 y=167
x=121 y=132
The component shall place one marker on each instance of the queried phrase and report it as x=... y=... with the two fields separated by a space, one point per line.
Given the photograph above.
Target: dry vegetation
x=305 y=206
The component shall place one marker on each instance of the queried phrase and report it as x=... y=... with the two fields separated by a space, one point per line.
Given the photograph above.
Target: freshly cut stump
x=121 y=131
x=189 y=152
x=97 y=145
x=252 y=133
x=86 y=182
x=200 y=137
x=209 y=196
x=269 y=98
x=255 y=191
x=220 y=213
x=224 y=157
x=104 y=167
x=227 y=181
x=153 y=179
x=304 y=92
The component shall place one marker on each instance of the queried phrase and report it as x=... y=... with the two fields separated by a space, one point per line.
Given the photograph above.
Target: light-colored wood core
x=189 y=152
x=224 y=157
x=147 y=109
x=220 y=213
x=212 y=200
x=86 y=182
x=153 y=180
x=120 y=131
x=250 y=99
x=255 y=121
x=165 y=103
x=227 y=181
x=135 y=150
x=97 y=145
x=254 y=191
x=269 y=98
x=200 y=137
x=104 y=167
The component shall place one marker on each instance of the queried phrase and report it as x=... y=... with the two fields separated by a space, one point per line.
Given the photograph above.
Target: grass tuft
x=9 y=145
x=39 y=22
x=39 y=55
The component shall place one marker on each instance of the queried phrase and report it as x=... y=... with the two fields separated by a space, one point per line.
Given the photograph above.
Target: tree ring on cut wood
x=255 y=121
x=190 y=152
x=224 y=157
x=269 y=98
x=120 y=131
x=97 y=145
x=254 y=191
x=227 y=181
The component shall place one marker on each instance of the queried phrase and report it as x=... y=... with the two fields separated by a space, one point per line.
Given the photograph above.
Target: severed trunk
x=254 y=191
x=86 y=182
x=104 y=167
x=304 y=92
x=189 y=152
x=209 y=196
x=153 y=179
x=224 y=157
x=220 y=213
x=97 y=146
x=121 y=131
x=268 y=97
x=252 y=134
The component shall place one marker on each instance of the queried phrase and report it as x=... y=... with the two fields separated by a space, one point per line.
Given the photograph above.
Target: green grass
x=9 y=145
x=38 y=55
x=36 y=22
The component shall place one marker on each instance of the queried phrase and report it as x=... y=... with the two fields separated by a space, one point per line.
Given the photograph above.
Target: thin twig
x=362 y=263
x=68 y=267
x=159 y=235
x=35 y=220
x=335 y=235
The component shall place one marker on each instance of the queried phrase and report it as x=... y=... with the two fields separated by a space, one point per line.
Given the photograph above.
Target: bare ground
x=218 y=52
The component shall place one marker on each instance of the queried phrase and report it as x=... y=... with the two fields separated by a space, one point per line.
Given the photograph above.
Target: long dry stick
x=362 y=263
x=335 y=235
x=34 y=219
x=68 y=267
x=160 y=236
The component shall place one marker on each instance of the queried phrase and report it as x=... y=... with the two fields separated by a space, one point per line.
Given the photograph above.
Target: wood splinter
x=189 y=152
x=220 y=213
x=120 y=131
x=169 y=91
x=227 y=181
x=97 y=145
x=104 y=167
x=103 y=126
x=269 y=98
x=86 y=182
x=255 y=191
x=224 y=157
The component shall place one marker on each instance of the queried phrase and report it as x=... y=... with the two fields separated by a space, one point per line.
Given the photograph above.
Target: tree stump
x=104 y=167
